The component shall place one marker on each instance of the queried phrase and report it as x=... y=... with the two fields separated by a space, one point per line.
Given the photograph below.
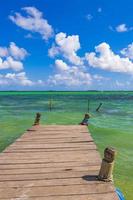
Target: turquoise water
x=112 y=126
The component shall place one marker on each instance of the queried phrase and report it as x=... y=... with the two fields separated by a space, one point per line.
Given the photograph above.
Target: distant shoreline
x=66 y=91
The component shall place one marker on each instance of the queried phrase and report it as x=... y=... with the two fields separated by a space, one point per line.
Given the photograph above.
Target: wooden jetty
x=53 y=162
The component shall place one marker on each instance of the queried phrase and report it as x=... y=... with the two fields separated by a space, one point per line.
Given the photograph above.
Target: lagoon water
x=112 y=126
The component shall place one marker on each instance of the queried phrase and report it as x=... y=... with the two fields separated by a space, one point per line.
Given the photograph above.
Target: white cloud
x=128 y=52
x=69 y=76
x=89 y=17
x=119 y=84
x=33 y=22
x=15 y=79
x=10 y=57
x=3 y=52
x=123 y=85
x=53 y=51
x=67 y=46
x=23 y=79
x=104 y=58
x=40 y=82
x=16 y=52
x=10 y=63
x=29 y=36
x=123 y=28
x=19 y=79
x=61 y=66
x=98 y=77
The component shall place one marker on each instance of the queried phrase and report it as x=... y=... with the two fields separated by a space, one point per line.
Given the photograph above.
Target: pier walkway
x=53 y=162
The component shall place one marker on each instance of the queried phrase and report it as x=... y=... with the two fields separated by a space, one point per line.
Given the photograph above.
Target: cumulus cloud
x=10 y=63
x=33 y=22
x=61 y=66
x=53 y=51
x=20 y=79
x=15 y=79
x=67 y=46
x=98 y=77
x=14 y=51
x=69 y=76
x=10 y=57
x=119 y=84
x=104 y=58
x=123 y=28
x=3 y=52
x=128 y=52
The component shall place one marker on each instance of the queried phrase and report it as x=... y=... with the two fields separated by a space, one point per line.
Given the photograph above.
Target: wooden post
x=37 y=119
x=98 y=107
x=88 y=105
x=106 y=171
x=50 y=104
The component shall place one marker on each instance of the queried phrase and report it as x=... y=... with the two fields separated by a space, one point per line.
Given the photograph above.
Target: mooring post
x=37 y=119
x=106 y=171
x=98 y=107
x=88 y=105
x=50 y=104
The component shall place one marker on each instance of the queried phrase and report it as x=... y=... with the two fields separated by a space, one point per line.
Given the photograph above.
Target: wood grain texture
x=53 y=162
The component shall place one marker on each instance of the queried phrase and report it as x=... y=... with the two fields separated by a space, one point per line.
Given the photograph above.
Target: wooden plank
x=49 y=164
x=40 y=176
x=53 y=162
x=49 y=170
x=56 y=139
x=58 y=149
x=57 y=190
x=48 y=182
x=49 y=145
x=50 y=155
x=41 y=160
x=101 y=196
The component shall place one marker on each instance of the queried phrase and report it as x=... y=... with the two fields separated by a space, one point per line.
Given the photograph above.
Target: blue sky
x=66 y=45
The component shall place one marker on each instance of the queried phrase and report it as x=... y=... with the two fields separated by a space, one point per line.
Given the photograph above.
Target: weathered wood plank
x=48 y=182
x=53 y=162
x=49 y=170
x=101 y=196
x=39 y=175
x=49 y=164
x=22 y=150
x=50 y=155
x=57 y=190
x=67 y=145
